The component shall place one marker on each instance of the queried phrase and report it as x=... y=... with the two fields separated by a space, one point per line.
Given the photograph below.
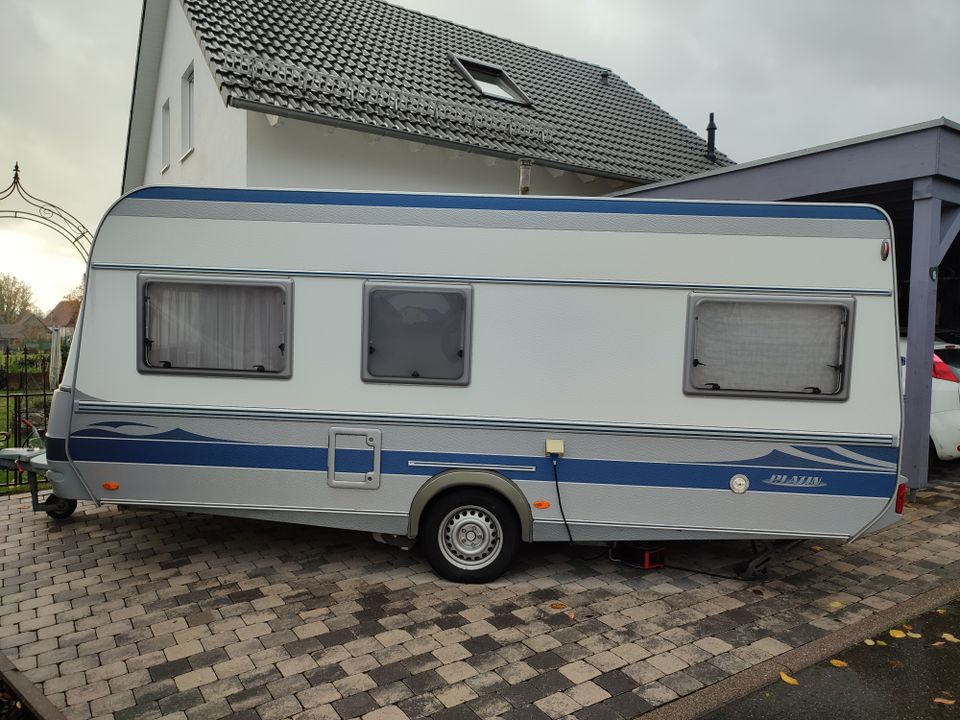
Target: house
x=28 y=330
x=64 y=316
x=361 y=94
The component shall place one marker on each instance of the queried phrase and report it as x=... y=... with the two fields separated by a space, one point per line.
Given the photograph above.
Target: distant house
x=28 y=330
x=64 y=316
x=361 y=94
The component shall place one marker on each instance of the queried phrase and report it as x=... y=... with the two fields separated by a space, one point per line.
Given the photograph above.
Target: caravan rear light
x=942 y=371
x=901 y=496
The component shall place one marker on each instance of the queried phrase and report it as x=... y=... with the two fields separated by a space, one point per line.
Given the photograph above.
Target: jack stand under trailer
x=766 y=551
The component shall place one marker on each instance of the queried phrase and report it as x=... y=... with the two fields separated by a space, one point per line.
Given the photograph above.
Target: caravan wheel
x=59 y=508
x=470 y=535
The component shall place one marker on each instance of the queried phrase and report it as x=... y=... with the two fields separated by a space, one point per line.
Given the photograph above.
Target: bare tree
x=16 y=298
x=75 y=293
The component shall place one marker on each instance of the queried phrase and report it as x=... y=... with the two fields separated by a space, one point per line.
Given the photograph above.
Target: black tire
x=59 y=508
x=470 y=535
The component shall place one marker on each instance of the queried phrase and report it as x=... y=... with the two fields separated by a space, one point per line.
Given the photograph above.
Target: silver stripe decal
x=468 y=466
x=273 y=414
x=110 y=500
x=692 y=528
x=504 y=219
x=409 y=277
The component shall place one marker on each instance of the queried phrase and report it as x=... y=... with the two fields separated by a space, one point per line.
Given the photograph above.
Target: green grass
x=15 y=489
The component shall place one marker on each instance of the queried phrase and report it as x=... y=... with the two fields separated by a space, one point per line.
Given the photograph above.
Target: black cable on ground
x=622 y=561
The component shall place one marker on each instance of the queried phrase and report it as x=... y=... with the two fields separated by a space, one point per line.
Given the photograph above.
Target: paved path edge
x=28 y=693
x=748 y=681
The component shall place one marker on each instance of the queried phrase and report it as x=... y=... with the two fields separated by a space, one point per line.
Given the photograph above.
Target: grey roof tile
x=377 y=65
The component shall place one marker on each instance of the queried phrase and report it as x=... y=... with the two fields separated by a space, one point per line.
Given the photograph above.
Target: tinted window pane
x=416 y=334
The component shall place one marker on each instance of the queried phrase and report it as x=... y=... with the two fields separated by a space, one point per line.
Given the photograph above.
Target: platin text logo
x=797 y=481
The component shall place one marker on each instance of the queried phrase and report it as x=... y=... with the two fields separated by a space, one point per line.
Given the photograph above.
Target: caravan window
x=202 y=326
x=416 y=333
x=752 y=345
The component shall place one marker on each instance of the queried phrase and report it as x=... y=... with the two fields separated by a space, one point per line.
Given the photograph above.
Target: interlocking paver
x=139 y=614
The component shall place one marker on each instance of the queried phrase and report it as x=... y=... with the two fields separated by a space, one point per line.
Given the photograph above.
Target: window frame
x=371 y=286
x=284 y=284
x=165 y=136
x=464 y=65
x=848 y=304
x=187 y=112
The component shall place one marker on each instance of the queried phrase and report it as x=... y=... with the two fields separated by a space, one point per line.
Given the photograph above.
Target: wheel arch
x=485 y=479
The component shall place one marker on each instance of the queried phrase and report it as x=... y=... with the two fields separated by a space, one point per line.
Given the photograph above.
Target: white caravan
x=476 y=371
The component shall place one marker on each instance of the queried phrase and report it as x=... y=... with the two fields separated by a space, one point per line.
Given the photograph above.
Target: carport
x=913 y=173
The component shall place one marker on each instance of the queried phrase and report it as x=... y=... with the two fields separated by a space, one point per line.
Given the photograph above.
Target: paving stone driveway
x=132 y=615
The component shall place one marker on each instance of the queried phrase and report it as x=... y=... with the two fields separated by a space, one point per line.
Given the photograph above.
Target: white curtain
x=215 y=327
x=772 y=347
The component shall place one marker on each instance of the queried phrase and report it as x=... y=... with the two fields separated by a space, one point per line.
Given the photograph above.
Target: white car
x=944 y=399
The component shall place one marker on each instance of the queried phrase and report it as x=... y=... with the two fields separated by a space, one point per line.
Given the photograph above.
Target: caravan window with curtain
x=774 y=346
x=215 y=327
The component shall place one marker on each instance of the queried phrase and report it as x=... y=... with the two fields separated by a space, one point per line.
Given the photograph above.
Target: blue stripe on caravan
x=396 y=462
x=538 y=204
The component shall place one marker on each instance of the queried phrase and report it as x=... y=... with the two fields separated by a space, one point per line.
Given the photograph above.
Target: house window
x=215 y=326
x=187 y=112
x=490 y=80
x=774 y=346
x=416 y=333
x=165 y=136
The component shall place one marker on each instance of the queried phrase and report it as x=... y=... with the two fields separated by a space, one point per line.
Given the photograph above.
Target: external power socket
x=554 y=447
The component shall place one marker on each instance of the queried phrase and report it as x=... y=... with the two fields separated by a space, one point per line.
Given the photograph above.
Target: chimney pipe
x=712 y=140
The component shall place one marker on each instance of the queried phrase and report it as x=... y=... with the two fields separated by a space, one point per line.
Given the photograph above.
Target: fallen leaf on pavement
x=944 y=701
x=558 y=605
x=881 y=642
x=914 y=635
x=897 y=634
x=836 y=604
x=941 y=611
x=572 y=615
x=908 y=627
x=788 y=680
x=838 y=663
x=938 y=643
x=868 y=641
x=816 y=548
x=949 y=638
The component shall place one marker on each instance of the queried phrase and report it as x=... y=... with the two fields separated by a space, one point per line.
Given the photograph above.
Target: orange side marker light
x=541 y=504
x=111 y=486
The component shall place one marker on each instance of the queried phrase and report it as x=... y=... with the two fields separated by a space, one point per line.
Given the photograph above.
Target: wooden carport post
x=933 y=233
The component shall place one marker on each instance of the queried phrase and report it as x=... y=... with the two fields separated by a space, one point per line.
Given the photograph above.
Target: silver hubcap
x=470 y=537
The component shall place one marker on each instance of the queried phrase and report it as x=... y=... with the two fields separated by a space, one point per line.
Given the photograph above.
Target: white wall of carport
x=219 y=132
x=296 y=153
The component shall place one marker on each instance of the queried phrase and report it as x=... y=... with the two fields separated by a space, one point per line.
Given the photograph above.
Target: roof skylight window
x=490 y=80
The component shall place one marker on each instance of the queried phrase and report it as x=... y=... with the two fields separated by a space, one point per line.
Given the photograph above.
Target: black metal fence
x=25 y=394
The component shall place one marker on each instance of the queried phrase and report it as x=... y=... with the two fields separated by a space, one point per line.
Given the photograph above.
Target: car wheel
x=470 y=535
x=59 y=508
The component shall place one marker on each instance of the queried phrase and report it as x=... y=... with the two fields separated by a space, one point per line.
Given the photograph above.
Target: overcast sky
x=780 y=75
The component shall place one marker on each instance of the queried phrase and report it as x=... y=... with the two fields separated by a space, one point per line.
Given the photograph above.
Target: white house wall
x=296 y=153
x=219 y=132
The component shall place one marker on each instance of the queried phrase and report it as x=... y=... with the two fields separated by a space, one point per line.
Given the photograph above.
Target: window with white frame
x=187 y=112
x=165 y=136
x=416 y=333
x=215 y=326
x=756 y=345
